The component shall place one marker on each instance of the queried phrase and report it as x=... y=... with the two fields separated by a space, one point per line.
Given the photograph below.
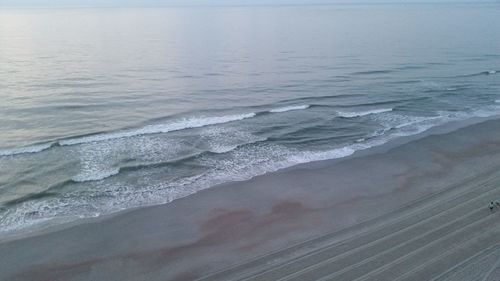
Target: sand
x=413 y=210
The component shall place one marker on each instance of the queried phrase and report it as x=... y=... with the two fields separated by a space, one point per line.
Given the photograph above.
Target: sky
x=84 y=3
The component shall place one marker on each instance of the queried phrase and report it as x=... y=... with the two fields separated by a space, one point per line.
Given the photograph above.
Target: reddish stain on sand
x=227 y=222
x=225 y=227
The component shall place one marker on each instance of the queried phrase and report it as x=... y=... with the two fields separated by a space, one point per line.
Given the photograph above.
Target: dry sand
x=415 y=211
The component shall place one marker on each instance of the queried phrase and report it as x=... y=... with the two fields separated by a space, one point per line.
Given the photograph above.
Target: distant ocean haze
x=113 y=108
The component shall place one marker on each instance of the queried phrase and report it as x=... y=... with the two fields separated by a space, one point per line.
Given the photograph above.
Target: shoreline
x=383 y=148
x=231 y=223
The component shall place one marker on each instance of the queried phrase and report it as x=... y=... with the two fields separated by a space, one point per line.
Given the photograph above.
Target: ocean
x=106 y=109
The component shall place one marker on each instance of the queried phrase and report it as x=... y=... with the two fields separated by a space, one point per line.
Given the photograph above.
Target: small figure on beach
x=491 y=206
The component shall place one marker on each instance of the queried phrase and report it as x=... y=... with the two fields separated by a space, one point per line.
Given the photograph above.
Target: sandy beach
x=413 y=211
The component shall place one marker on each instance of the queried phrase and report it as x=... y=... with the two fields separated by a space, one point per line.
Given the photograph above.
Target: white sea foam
x=289 y=108
x=416 y=120
x=223 y=140
x=487 y=111
x=348 y=114
x=99 y=161
x=223 y=148
x=95 y=175
x=241 y=163
x=25 y=150
x=188 y=123
x=310 y=156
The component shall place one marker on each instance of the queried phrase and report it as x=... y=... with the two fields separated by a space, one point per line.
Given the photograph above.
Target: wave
x=95 y=165
x=96 y=176
x=370 y=72
x=383 y=103
x=188 y=123
x=417 y=120
x=289 y=108
x=242 y=163
x=310 y=156
x=322 y=98
x=483 y=73
x=26 y=150
x=347 y=114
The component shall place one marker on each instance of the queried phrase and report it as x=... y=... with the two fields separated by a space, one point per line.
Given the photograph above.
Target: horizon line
x=152 y=5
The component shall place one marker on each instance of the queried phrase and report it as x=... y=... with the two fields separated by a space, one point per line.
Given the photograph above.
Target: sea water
x=104 y=109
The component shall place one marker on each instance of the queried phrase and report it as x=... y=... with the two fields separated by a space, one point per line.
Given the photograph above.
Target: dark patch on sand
x=225 y=227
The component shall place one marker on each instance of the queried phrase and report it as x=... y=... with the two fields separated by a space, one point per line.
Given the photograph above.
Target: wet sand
x=289 y=217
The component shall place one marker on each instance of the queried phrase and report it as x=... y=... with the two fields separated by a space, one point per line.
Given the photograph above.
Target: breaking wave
x=182 y=124
x=25 y=150
x=96 y=175
x=289 y=108
x=188 y=123
x=347 y=114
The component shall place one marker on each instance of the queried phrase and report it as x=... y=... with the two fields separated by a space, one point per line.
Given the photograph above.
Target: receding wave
x=100 y=173
x=289 y=108
x=26 y=150
x=96 y=176
x=188 y=123
x=29 y=197
x=347 y=114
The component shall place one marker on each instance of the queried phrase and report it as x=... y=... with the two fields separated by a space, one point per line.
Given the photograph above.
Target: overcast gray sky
x=15 y=3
